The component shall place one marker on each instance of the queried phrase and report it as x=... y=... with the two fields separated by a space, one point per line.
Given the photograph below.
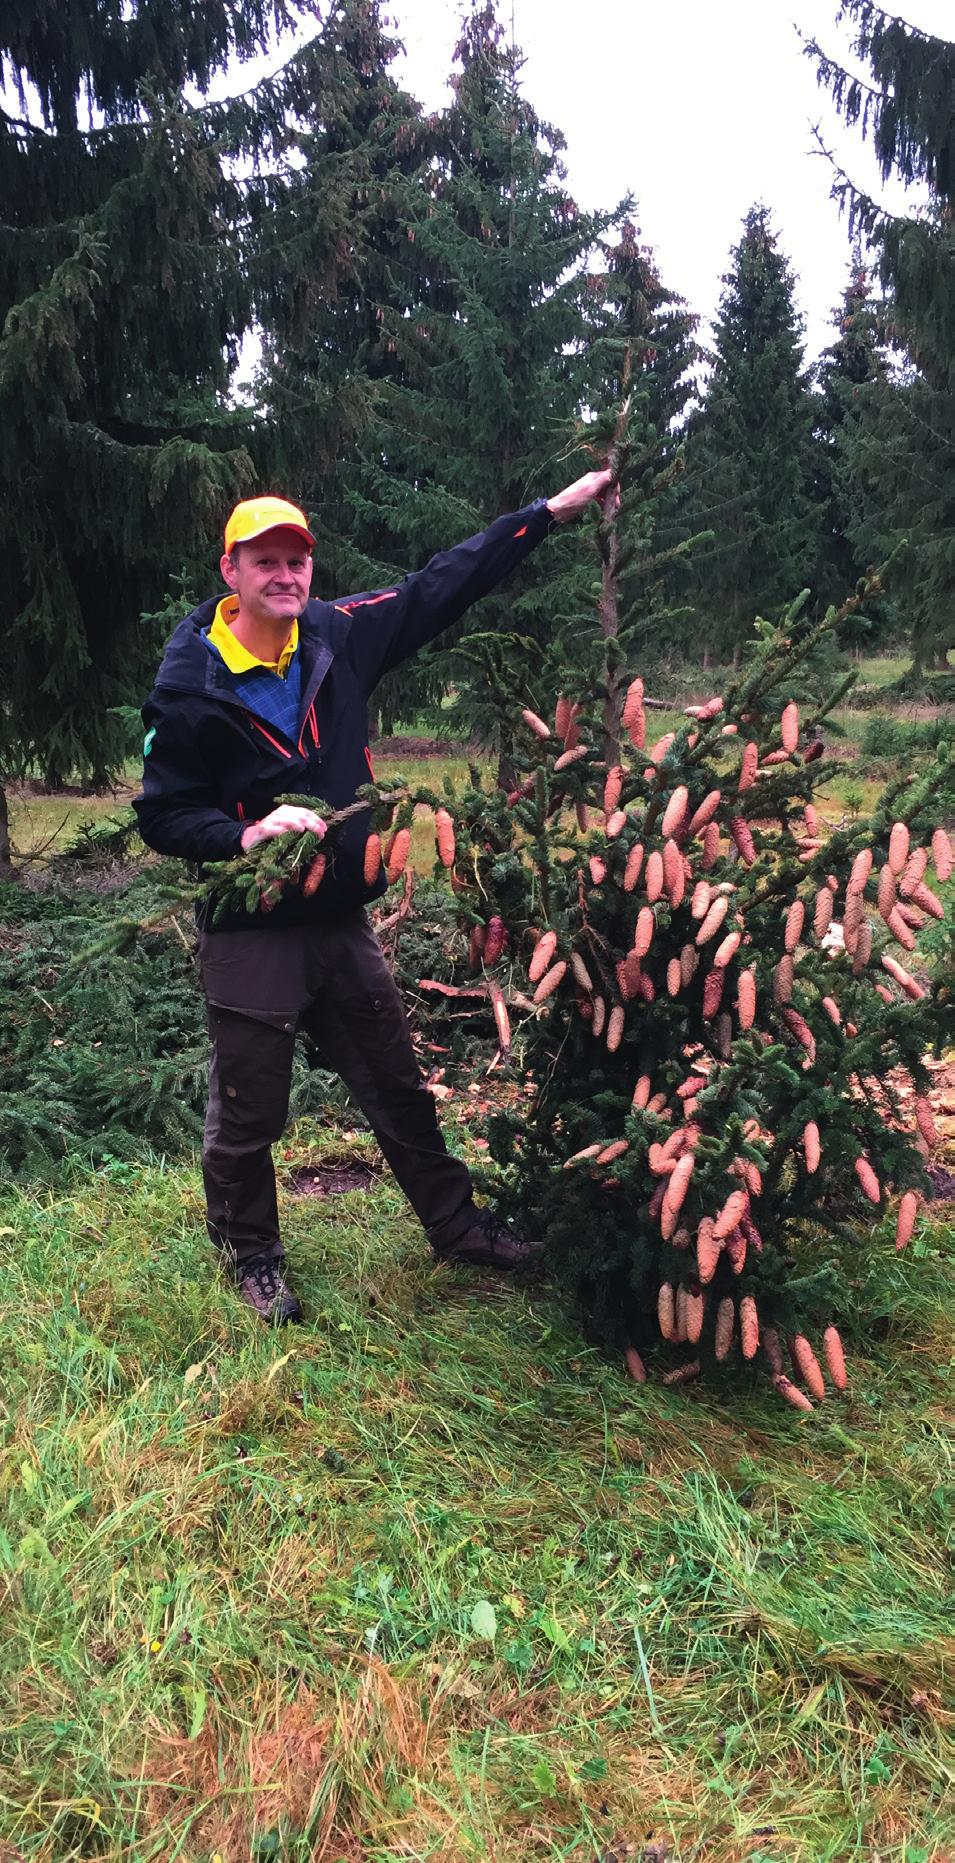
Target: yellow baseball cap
x=256 y=515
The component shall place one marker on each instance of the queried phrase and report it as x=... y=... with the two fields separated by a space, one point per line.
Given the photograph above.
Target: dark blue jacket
x=212 y=766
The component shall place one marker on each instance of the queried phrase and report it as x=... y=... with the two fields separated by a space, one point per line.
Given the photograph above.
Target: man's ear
x=228 y=567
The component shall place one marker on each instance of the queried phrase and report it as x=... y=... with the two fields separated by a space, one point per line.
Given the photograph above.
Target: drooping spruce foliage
x=750 y=454
x=143 y=235
x=480 y=364
x=900 y=453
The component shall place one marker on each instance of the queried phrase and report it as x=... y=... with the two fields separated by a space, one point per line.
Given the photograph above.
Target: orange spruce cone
x=444 y=837
x=711 y=845
x=799 y=1027
x=746 y=995
x=643 y=934
x=315 y=875
x=713 y=991
x=682 y=1374
x=832 y=1011
x=661 y=747
x=789 y=726
x=568 y=757
x=583 y=818
x=900 y=931
x=743 y=836
x=898 y=847
x=748 y=1326
x=633 y=703
x=675 y=812
x=728 y=1218
x=887 y=893
x=495 y=938
x=613 y=1151
x=674 y=977
x=372 y=859
x=689 y=961
x=811 y=1145
x=654 y=876
x=563 y=716
x=942 y=854
x=550 y=981
x=783 y=979
x=674 y=876
x=868 y=1180
x=923 y=897
x=581 y=973
x=666 y=1310
x=726 y=951
x=713 y=920
x=599 y=1016
x=598 y=869
x=925 y=1121
x=805 y=1358
x=901 y=976
x=535 y=724
x=476 y=947
x=616 y=823
x=635 y=1366
x=702 y=816
x=613 y=786
x=501 y=1018
x=795 y=919
x=913 y=871
x=695 y=1308
x=861 y=869
x=791 y=1392
x=723 y=1334
x=748 y=767
x=908 y=1210
x=641 y=1092
x=398 y=854
x=542 y=954
x=580 y=1157
x=822 y=917
x=679 y=1183
x=835 y=1358
x=708 y=1250
x=632 y=870
x=700 y=899
x=615 y=1022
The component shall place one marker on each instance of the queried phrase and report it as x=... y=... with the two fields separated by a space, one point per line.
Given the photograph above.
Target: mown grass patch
x=427 y=1578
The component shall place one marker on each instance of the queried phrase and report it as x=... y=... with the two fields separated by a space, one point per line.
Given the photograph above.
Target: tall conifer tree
x=854 y=361
x=750 y=454
x=135 y=253
x=903 y=462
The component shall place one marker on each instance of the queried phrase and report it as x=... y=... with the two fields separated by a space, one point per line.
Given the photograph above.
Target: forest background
x=426 y=1583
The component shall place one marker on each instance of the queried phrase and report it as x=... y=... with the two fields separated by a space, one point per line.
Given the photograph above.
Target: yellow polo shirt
x=238 y=659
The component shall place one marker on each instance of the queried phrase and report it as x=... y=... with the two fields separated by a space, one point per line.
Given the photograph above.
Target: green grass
x=241 y=1571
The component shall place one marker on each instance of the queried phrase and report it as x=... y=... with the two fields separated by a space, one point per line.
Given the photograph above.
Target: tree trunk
x=6 y=863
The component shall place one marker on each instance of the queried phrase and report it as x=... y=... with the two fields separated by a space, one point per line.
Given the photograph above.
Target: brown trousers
x=332 y=980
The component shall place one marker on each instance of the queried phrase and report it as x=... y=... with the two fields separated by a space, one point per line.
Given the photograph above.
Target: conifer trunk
x=6 y=862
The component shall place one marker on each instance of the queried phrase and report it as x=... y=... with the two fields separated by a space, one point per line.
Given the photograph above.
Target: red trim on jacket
x=272 y=740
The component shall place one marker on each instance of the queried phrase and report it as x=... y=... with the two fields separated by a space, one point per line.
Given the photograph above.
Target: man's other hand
x=575 y=498
x=284 y=820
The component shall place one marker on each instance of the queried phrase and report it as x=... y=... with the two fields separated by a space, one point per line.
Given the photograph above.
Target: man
x=266 y=691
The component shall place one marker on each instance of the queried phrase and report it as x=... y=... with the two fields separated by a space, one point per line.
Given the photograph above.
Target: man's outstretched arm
x=391 y=624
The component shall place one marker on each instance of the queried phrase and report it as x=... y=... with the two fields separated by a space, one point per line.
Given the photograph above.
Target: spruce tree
x=852 y=362
x=487 y=374
x=134 y=256
x=750 y=456
x=902 y=462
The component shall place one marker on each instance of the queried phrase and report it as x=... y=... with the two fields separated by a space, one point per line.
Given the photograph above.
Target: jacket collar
x=188 y=666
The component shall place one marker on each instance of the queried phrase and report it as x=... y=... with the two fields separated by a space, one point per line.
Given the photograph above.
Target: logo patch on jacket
x=148 y=741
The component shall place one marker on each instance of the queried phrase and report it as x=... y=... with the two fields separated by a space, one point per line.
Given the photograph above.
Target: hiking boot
x=488 y=1243
x=262 y=1286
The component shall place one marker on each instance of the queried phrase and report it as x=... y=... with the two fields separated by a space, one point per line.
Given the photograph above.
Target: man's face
x=271 y=575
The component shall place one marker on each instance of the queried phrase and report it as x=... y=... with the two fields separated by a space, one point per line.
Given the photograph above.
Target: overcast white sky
x=700 y=108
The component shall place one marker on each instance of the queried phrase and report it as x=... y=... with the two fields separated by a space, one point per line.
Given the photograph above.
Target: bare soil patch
x=331 y=1180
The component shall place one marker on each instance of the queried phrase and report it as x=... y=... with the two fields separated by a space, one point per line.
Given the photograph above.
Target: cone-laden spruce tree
x=137 y=248
x=750 y=455
x=902 y=462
